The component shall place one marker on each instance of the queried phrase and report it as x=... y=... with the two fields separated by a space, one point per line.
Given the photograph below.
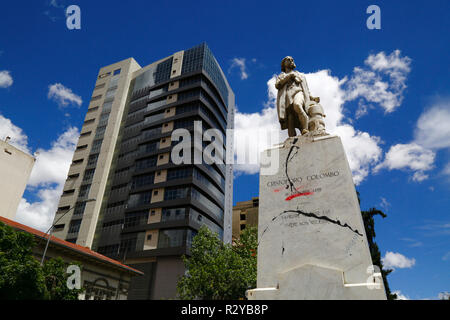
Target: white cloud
x=52 y=165
x=56 y=4
x=250 y=135
x=384 y=203
x=432 y=133
x=400 y=295
x=411 y=156
x=40 y=214
x=5 y=79
x=240 y=63
x=63 y=96
x=363 y=151
x=331 y=93
x=433 y=129
x=381 y=82
x=392 y=260
x=47 y=181
x=18 y=138
x=446 y=170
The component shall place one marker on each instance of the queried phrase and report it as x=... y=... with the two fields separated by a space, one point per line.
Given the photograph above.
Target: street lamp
x=49 y=231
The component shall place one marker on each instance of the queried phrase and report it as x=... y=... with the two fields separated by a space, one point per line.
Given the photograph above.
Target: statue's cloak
x=286 y=94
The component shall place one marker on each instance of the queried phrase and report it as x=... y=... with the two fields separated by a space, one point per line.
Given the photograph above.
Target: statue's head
x=287 y=63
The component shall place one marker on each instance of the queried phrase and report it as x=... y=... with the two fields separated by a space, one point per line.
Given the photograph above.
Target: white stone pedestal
x=312 y=243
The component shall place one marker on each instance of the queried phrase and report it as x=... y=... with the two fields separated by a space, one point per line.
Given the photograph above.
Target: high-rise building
x=147 y=209
x=15 y=169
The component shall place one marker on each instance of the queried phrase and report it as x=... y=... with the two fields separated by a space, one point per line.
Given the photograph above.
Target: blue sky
x=386 y=93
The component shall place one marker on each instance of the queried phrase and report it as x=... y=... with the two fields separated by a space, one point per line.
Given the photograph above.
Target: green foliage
x=56 y=280
x=22 y=277
x=369 y=226
x=217 y=271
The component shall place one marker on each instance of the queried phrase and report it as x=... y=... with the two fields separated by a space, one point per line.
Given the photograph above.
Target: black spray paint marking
x=311 y=215
x=291 y=184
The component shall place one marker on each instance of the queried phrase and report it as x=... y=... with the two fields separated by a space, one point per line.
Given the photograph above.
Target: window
x=127 y=245
x=109 y=250
x=68 y=192
x=96 y=97
x=81 y=147
x=85 y=134
x=242 y=226
x=116 y=72
x=176 y=193
x=92 y=109
x=96 y=145
x=58 y=227
x=79 y=208
x=149 y=237
x=104 y=75
x=138 y=199
x=182 y=173
x=142 y=180
x=173 y=214
x=171 y=238
x=135 y=218
x=104 y=116
x=242 y=216
x=153 y=212
x=146 y=163
x=214 y=209
x=84 y=191
x=73 y=176
x=88 y=121
x=99 y=86
x=155 y=193
x=74 y=226
x=112 y=223
x=88 y=174
x=63 y=209
x=92 y=160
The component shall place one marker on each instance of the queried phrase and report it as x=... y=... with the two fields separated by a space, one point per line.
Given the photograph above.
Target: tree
x=369 y=226
x=218 y=271
x=56 y=280
x=22 y=277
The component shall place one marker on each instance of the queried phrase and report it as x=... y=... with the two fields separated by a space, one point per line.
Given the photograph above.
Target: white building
x=15 y=169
